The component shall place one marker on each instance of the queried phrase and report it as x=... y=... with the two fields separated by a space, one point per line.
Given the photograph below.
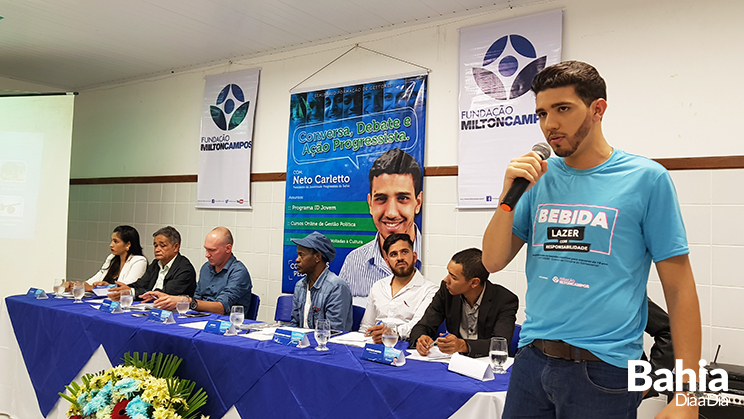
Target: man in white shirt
x=403 y=296
x=395 y=198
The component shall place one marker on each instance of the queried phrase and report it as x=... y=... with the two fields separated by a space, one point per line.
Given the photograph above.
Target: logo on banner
x=509 y=55
x=230 y=104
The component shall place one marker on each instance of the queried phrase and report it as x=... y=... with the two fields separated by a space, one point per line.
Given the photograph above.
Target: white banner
x=497 y=109
x=226 y=140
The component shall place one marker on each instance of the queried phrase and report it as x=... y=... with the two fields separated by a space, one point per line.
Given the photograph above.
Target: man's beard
x=575 y=140
x=404 y=272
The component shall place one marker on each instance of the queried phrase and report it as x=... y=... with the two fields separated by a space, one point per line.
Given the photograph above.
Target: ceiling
x=78 y=44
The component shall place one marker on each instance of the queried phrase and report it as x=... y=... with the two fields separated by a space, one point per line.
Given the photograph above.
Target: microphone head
x=542 y=150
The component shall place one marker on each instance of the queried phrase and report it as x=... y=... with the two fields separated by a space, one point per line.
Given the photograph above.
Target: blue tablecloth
x=57 y=337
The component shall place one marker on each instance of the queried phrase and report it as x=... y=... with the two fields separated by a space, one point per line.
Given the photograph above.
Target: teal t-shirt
x=591 y=236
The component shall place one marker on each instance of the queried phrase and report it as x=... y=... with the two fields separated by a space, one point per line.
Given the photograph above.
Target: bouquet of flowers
x=139 y=389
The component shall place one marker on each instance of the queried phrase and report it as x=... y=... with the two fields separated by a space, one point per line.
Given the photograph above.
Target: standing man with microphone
x=593 y=219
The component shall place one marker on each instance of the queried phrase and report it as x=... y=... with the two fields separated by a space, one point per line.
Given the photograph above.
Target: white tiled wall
x=713 y=217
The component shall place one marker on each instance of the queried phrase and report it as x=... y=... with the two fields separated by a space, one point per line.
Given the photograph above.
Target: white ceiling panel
x=74 y=44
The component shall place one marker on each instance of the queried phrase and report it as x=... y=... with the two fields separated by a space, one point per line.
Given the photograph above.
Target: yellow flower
x=98 y=381
x=73 y=410
x=179 y=400
x=163 y=413
x=156 y=392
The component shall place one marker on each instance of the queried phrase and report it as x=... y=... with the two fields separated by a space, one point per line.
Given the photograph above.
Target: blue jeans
x=544 y=387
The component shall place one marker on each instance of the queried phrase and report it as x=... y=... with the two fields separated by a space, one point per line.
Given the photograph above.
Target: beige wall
x=665 y=63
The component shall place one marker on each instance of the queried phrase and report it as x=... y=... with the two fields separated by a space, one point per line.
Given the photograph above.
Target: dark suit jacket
x=180 y=279
x=496 y=317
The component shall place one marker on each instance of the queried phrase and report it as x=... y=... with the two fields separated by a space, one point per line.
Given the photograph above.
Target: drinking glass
x=126 y=298
x=237 y=316
x=322 y=333
x=182 y=306
x=78 y=291
x=498 y=354
x=59 y=287
x=389 y=335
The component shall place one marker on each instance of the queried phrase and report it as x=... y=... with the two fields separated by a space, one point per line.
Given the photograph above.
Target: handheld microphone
x=520 y=184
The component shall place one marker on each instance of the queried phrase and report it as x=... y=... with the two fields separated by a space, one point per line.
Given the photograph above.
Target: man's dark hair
x=396 y=162
x=170 y=233
x=394 y=238
x=472 y=264
x=587 y=82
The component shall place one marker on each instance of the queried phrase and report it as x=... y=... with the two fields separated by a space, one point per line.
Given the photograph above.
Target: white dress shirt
x=408 y=305
x=306 y=309
x=162 y=273
x=132 y=270
x=365 y=265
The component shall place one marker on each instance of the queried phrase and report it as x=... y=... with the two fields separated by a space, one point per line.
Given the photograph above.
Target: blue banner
x=335 y=137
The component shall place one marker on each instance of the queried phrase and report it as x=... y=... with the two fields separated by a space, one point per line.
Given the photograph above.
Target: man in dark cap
x=320 y=294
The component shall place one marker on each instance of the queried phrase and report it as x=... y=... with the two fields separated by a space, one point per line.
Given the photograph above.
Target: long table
x=57 y=338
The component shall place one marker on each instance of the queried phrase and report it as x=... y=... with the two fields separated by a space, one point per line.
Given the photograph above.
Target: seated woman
x=125 y=264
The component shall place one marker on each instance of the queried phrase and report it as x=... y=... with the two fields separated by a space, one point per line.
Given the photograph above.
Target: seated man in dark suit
x=474 y=309
x=170 y=272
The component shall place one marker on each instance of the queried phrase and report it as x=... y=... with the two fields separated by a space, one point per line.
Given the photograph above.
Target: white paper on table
x=195 y=325
x=95 y=306
x=357 y=339
x=294 y=329
x=470 y=367
x=96 y=301
x=258 y=335
x=267 y=333
x=101 y=292
x=141 y=307
x=435 y=355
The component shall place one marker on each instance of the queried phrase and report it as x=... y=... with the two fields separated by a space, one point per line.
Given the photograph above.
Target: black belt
x=561 y=349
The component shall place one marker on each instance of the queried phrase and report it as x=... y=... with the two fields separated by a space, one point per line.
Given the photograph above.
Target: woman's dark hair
x=127 y=234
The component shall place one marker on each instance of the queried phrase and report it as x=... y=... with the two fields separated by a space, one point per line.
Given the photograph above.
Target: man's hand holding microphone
x=523 y=172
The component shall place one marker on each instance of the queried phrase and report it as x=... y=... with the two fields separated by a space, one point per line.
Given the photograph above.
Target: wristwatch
x=193 y=303
x=696 y=393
